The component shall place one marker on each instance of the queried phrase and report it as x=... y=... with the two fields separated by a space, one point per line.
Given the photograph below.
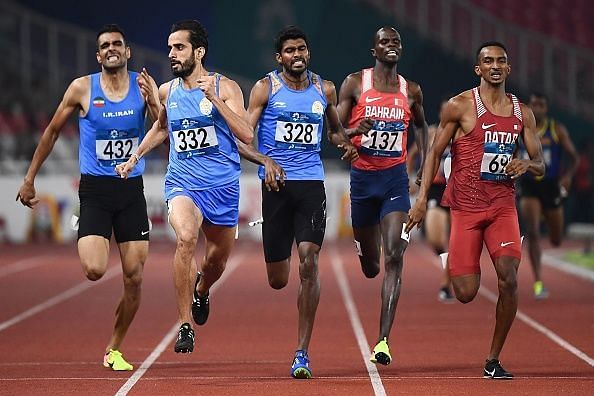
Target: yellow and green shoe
x=540 y=292
x=115 y=361
x=381 y=353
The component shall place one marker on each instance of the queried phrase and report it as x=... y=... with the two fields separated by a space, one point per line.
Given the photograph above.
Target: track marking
x=73 y=291
x=489 y=295
x=564 y=266
x=170 y=335
x=343 y=283
x=25 y=264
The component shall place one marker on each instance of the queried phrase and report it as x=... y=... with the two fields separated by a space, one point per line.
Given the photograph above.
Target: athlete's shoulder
x=458 y=105
x=79 y=88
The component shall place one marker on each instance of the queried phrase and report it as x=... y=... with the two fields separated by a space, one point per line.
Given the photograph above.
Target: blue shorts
x=219 y=206
x=374 y=194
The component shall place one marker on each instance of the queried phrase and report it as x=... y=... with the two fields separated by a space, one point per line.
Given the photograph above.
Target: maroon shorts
x=497 y=227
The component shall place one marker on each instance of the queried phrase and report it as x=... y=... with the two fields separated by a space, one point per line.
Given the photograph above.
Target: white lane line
x=489 y=295
x=25 y=264
x=170 y=335
x=244 y=379
x=564 y=266
x=345 y=290
x=73 y=291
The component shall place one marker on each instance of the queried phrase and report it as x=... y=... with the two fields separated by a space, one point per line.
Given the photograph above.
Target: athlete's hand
x=274 y=175
x=148 y=87
x=207 y=85
x=364 y=126
x=416 y=214
x=350 y=152
x=516 y=168
x=565 y=183
x=125 y=168
x=27 y=194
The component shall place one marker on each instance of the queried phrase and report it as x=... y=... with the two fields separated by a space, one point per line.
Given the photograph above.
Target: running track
x=54 y=325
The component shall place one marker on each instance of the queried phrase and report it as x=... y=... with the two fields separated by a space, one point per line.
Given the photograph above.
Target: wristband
x=135 y=156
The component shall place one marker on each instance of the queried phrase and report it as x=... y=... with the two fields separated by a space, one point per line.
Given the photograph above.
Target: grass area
x=581 y=259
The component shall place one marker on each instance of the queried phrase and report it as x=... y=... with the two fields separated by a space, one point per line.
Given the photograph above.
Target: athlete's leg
x=309 y=291
x=507 y=303
x=531 y=210
x=394 y=247
x=133 y=255
x=93 y=251
x=436 y=232
x=219 y=242
x=368 y=241
x=554 y=221
x=185 y=218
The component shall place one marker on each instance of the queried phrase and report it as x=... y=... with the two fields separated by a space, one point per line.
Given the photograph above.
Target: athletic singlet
x=290 y=128
x=384 y=146
x=478 y=180
x=551 y=151
x=110 y=132
x=202 y=150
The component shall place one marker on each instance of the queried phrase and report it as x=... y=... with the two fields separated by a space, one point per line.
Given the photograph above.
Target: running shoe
x=115 y=361
x=494 y=370
x=185 y=339
x=540 y=292
x=200 y=305
x=381 y=353
x=300 y=367
x=445 y=295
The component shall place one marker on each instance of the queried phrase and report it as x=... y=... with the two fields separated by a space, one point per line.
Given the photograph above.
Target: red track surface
x=247 y=346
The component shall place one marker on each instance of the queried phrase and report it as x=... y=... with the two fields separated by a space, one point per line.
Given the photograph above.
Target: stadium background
x=44 y=45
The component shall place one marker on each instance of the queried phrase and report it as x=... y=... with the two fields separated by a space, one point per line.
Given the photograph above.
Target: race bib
x=297 y=131
x=194 y=136
x=115 y=146
x=495 y=159
x=384 y=139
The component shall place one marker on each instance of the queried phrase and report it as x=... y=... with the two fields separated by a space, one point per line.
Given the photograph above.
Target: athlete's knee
x=393 y=260
x=508 y=283
x=133 y=280
x=308 y=268
x=186 y=239
x=371 y=268
x=93 y=273
x=465 y=295
x=277 y=281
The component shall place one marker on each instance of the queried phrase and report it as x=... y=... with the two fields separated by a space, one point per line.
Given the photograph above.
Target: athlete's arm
x=272 y=170
x=230 y=105
x=347 y=98
x=419 y=123
x=448 y=126
x=150 y=93
x=73 y=99
x=567 y=144
x=336 y=133
x=155 y=136
x=535 y=165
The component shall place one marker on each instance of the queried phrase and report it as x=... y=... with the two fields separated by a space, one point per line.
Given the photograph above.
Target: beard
x=186 y=69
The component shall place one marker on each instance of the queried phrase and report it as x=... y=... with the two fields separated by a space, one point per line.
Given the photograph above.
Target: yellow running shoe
x=381 y=353
x=540 y=292
x=115 y=361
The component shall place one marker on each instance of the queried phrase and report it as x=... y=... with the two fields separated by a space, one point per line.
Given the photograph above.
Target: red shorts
x=497 y=227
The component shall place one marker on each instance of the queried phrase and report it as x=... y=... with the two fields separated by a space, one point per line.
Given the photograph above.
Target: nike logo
x=396 y=197
x=143 y=233
x=488 y=126
x=490 y=373
x=504 y=244
x=370 y=100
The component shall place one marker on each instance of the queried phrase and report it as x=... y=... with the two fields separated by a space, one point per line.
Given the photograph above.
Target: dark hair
x=198 y=35
x=290 y=32
x=539 y=95
x=489 y=44
x=110 y=28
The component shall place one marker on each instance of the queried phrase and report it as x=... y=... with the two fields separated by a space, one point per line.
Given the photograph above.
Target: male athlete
x=544 y=196
x=202 y=114
x=378 y=104
x=289 y=108
x=484 y=125
x=112 y=105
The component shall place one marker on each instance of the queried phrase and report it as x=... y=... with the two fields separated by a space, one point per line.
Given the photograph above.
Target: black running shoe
x=200 y=305
x=494 y=370
x=185 y=339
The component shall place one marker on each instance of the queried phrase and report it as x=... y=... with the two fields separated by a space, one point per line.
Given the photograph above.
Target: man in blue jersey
x=289 y=108
x=112 y=106
x=203 y=114
x=543 y=197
